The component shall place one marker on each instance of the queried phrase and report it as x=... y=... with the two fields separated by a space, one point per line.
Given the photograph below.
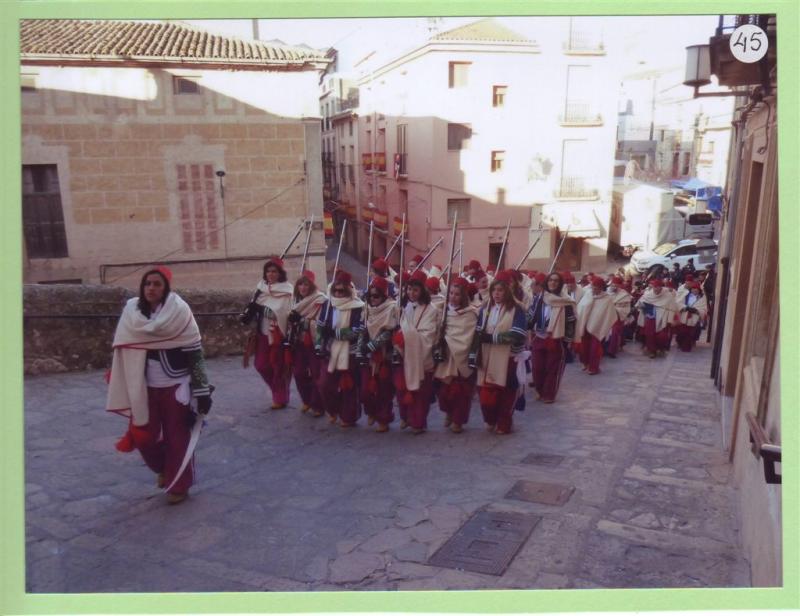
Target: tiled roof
x=100 y=40
x=485 y=30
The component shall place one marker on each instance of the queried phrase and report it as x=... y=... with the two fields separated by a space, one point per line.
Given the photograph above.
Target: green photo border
x=14 y=600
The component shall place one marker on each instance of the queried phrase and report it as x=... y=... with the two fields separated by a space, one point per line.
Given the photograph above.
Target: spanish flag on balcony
x=366 y=161
x=380 y=161
x=327 y=224
x=397 y=227
x=381 y=219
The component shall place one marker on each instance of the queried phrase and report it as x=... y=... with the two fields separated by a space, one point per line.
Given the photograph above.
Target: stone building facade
x=127 y=128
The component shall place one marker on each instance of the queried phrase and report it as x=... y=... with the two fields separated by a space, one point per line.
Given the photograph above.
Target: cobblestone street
x=284 y=501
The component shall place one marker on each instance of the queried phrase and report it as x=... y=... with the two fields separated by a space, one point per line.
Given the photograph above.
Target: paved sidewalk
x=288 y=502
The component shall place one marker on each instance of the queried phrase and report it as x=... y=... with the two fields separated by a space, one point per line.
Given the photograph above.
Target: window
x=684 y=251
x=458 y=136
x=686 y=159
x=499 y=96
x=462 y=206
x=42 y=215
x=576 y=168
x=498 y=157
x=198 y=207
x=402 y=148
x=458 y=74
x=185 y=85
x=579 y=108
x=350 y=125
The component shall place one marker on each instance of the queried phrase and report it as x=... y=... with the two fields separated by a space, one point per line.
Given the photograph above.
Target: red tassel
x=346 y=381
x=488 y=396
x=397 y=339
x=307 y=341
x=408 y=398
x=372 y=385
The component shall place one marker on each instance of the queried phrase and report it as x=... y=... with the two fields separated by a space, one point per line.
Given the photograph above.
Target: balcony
x=576 y=188
x=402 y=159
x=580 y=113
x=342 y=173
x=351 y=174
x=584 y=44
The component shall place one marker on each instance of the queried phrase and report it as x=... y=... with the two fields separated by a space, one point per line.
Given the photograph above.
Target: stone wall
x=70 y=327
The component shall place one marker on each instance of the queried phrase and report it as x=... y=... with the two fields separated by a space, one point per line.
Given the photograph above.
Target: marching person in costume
x=596 y=318
x=454 y=373
x=553 y=320
x=338 y=328
x=481 y=282
x=377 y=388
x=157 y=369
x=414 y=342
x=499 y=336
x=692 y=313
x=622 y=303
x=657 y=309
x=271 y=305
x=382 y=270
x=306 y=366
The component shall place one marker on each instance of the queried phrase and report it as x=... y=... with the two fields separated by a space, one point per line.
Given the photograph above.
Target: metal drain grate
x=543 y=459
x=486 y=543
x=544 y=493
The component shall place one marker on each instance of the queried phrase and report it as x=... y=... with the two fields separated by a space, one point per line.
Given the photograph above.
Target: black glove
x=294 y=317
x=248 y=313
x=203 y=404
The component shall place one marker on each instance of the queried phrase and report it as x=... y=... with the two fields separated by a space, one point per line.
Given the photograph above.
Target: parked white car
x=702 y=251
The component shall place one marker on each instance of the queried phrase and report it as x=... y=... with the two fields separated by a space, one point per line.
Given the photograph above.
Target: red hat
x=342 y=277
x=406 y=276
x=688 y=278
x=474 y=265
x=309 y=274
x=165 y=272
x=461 y=282
x=656 y=282
x=540 y=278
x=504 y=276
x=276 y=261
x=693 y=285
x=598 y=282
x=616 y=280
x=417 y=259
x=568 y=277
x=380 y=283
x=432 y=284
x=418 y=277
x=472 y=290
x=380 y=266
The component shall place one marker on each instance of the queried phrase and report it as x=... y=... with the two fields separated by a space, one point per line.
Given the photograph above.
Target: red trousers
x=377 y=393
x=591 y=351
x=455 y=398
x=615 y=339
x=305 y=368
x=339 y=391
x=271 y=365
x=656 y=341
x=685 y=336
x=169 y=433
x=414 y=405
x=548 y=366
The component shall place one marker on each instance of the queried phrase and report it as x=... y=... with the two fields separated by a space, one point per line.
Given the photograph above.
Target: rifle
x=291 y=334
x=558 y=252
x=369 y=253
x=294 y=237
x=461 y=253
x=321 y=348
x=503 y=248
x=397 y=239
x=530 y=250
x=447 y=269
x=439 y=349
x=428 y=254
x=396 y=359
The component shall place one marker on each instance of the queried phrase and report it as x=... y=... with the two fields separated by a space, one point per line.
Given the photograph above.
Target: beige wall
x=118 y=135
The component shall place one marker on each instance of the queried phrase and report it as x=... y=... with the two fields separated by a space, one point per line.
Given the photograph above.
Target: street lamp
x=698 y=65
x=221 y=174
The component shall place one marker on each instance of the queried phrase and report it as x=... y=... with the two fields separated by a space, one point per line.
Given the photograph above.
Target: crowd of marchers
x=408 y=340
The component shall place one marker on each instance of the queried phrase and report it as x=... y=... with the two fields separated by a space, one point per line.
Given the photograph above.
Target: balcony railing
x=584 y=43
x=575 y=187
x=580 y=113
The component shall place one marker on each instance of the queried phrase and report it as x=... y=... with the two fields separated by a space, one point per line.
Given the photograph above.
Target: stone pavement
x=288 y=502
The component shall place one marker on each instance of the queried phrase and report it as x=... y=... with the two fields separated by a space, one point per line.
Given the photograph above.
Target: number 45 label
x=748 y=43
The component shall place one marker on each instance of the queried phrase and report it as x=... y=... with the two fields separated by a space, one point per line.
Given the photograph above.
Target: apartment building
x=496 y=126
x=148 y=141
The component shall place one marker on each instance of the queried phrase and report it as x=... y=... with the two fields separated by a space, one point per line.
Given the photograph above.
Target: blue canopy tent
x=702 y=190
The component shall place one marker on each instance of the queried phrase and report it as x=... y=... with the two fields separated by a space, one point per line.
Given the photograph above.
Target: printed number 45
x=755 y=41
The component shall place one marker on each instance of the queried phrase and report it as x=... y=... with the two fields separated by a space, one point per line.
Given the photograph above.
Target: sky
x=650 y=42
